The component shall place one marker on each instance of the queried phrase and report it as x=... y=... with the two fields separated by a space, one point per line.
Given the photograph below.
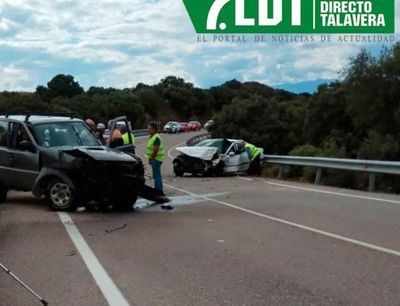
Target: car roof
x=39 y=119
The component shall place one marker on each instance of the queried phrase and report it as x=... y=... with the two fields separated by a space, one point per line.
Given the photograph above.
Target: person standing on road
x=128 y=137
x=91 y=124
x=115 y=137
x=254 y=156
x=155 y=154
x=100 y=130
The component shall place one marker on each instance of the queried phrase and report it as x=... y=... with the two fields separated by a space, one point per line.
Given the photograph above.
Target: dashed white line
x=296 y=225
x=110 y=291
x=348 y=195
x=245 y=178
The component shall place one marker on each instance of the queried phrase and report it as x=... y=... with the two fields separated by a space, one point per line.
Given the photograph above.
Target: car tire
x=125 y=204
x=219 y=169
x=3 y=193
x=178 y=169
x=60 y=196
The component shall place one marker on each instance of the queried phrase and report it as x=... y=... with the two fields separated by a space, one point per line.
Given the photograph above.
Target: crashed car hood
x=99 y=154
x=204 y=153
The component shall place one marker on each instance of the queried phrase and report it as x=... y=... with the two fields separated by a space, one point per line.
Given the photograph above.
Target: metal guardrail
x=197 y=139
x=139 y=133
x=372 y=167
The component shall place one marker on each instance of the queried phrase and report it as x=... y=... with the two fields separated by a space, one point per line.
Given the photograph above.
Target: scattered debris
x=116 y=229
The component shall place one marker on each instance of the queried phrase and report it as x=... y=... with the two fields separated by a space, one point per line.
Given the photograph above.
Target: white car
x=172 y=127
x=213 y=157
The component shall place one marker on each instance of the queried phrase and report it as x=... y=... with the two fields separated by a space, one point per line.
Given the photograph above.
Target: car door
x=129 y=148
x=4 y=171
x=236 y=159
x=22 y=157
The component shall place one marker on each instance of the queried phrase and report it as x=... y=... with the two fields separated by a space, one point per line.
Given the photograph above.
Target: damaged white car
x=213 y=157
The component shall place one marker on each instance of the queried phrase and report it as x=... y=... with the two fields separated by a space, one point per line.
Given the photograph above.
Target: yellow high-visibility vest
x=125 y=137
x=150 y=148
x=254 y=151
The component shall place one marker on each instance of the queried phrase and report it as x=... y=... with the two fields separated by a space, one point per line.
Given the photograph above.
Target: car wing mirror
x=231 y=153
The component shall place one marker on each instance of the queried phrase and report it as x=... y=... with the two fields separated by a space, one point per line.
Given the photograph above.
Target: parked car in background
x=209 y=124
x=172 y=127
x=195 y=126
x=184 y=127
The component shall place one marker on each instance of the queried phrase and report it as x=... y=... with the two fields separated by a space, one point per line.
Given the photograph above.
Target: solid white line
x=348 y=195
x=244 y=178
x=296 y=225
x=110 y=291
x=173 y=148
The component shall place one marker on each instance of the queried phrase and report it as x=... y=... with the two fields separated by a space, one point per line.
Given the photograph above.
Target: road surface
x=229 y=241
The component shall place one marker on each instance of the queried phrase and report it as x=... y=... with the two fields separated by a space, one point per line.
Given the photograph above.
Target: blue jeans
x=156 y=167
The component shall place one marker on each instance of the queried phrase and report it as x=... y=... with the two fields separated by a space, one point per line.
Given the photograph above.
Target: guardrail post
x=372 y=180
x=280 y=174
x=318 y=176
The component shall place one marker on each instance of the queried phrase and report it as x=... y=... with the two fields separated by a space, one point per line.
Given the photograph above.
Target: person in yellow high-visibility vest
x=128 y=138
x=254 y=156
x=155 y=154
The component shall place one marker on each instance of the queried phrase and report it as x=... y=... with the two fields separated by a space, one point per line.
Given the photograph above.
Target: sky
x=122 y=43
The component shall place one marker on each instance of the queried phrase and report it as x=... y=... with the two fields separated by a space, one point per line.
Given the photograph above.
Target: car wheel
x=60 y=196
x=219 y=169
x=178 y=168
x=125 y=204
x=3 y=193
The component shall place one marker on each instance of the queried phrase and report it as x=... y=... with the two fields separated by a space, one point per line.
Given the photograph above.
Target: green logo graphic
x=292 y=16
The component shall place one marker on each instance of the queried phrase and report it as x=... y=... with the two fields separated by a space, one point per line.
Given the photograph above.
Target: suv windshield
x=64 y=134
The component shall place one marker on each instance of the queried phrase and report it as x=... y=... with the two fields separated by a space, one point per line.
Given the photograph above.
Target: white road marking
x=348 y=195
x=297 y=225
x=245 y=178
x=110 y=291
x=178 y=200
x=173 y=148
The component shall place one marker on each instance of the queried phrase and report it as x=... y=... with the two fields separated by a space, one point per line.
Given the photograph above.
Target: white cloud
x=14 y=78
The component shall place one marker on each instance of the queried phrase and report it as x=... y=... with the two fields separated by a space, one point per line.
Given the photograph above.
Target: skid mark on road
x=296 y=225
x=110 y=291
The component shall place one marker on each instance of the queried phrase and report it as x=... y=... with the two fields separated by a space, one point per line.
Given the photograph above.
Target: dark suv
x=58 y=157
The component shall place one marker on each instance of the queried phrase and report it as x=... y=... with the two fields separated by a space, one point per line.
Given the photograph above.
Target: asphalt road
x=231 y=240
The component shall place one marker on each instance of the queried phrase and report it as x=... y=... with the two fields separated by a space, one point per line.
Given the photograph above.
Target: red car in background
x=184 y=127
x=195 y=126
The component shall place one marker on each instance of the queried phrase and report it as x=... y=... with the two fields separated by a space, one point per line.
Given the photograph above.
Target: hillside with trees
x=354 y=117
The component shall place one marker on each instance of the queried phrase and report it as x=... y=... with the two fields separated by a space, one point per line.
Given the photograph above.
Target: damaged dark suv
x=59 y=158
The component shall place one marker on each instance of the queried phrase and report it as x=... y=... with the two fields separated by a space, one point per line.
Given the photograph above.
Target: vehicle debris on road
x=116 y=229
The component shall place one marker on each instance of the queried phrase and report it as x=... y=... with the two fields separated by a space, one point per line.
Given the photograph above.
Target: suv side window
x=18 y=136
x=3 y=133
